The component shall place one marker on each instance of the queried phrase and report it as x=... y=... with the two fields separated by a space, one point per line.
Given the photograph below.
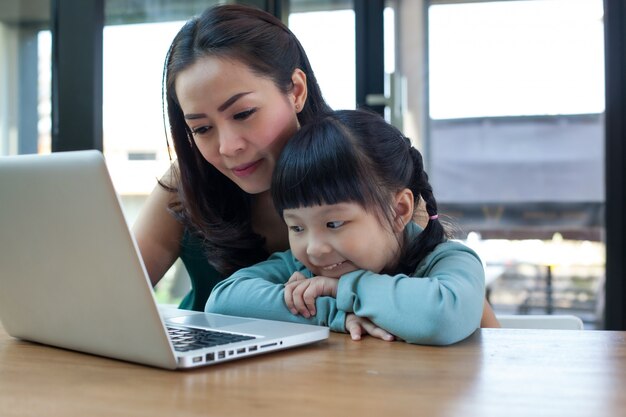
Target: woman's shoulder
x=171 y=177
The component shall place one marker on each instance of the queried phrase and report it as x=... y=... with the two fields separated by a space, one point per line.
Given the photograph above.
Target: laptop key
x=188 y=339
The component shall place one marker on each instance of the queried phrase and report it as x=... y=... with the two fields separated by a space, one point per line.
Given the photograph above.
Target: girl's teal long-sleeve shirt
x=439 y=304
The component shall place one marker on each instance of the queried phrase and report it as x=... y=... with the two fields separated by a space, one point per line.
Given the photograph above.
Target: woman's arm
x=489 y=318
x=157 y=232
x=258 y=291
x=441 y=305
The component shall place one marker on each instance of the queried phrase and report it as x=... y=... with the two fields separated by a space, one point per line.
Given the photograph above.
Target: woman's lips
x=246 y=169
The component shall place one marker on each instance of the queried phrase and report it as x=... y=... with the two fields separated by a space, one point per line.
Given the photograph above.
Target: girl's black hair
x=356 y=156
x=208 y=203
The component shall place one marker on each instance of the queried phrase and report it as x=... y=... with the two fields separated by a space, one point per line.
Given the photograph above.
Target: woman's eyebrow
x=193 y=116
x=224 y=106
x=231 y=101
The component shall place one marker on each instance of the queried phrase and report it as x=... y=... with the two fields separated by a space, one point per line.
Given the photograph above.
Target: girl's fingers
x=288 y=295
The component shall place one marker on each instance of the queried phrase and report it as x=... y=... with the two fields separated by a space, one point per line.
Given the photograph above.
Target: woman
x=238 y=85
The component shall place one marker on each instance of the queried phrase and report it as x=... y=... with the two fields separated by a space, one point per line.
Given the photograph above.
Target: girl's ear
x=299 y=91
x=403 y=208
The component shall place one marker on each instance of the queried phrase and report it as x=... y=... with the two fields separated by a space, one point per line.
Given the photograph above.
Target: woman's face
x=240 y=121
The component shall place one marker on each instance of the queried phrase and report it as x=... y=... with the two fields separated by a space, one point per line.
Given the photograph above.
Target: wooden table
x=496 y=372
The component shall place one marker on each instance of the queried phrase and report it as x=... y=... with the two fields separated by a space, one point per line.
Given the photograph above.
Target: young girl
x=347 y=186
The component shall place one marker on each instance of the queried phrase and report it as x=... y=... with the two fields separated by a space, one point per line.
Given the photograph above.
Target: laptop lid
x=71 y=272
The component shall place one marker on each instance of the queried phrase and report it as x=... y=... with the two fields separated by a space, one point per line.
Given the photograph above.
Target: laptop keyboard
x=186 y=339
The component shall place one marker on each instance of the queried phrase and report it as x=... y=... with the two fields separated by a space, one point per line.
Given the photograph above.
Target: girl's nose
x=317 y=246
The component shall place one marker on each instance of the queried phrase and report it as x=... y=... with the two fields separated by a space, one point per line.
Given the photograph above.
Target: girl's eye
x=201 y=130
x=296 y=229
x=244 y=114
x=335 y=224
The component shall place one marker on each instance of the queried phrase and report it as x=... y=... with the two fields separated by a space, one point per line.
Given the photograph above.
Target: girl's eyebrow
x=289 y=216
x=232 y=100
x=328 y=209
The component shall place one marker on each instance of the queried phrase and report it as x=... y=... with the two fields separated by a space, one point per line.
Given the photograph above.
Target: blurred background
x=505 y=99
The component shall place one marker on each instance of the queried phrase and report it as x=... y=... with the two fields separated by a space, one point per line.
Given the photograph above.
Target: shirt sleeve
x=442 y=304
x=258 y=291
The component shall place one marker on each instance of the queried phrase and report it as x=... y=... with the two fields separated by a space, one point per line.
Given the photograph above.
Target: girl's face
x=332 y=240
x=240 y=121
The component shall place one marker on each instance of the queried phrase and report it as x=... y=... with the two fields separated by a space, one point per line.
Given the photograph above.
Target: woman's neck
x=267 y=223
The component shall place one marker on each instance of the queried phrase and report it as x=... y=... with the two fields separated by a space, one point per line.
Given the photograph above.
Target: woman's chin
x=254 y=187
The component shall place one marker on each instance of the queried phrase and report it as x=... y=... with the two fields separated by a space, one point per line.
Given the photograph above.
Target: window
x=24 y=77
x=516 y=145
x=133 y=120
x=136 y=37
x=516 y=58
x=331 y=52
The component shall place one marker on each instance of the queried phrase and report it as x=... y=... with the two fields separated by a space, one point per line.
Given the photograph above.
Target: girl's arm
x=258 y=291
x=440 y=305
x=157 y=232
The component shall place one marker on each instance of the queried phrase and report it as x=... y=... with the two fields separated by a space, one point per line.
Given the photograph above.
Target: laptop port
x=221 y=354
x=241 y=350
x=197 y=359
x=269 y=345
x=210 y=357
x=252 y=349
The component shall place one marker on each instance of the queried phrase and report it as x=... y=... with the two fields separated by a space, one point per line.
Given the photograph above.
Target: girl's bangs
x=318 y=170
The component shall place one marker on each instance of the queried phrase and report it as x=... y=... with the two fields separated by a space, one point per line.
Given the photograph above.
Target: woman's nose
x=231 y=142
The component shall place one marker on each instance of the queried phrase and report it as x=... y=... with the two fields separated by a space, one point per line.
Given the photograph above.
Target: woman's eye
x=200 y=130
x=296 y=229
x=335 y=224
x=244 y=114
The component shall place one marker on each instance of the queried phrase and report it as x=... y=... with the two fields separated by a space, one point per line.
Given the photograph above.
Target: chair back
x=543 y=321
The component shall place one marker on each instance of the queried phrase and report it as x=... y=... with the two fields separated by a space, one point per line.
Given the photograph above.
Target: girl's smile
x=333 y=266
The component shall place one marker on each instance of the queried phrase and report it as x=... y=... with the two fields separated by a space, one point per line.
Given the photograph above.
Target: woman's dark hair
x=356 y=156
x=209 y=204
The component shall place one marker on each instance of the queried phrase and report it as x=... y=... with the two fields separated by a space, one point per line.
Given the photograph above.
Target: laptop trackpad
x=207 y=320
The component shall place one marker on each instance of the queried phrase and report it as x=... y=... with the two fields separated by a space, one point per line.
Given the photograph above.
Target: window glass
x=133 y=119
x=331 y=52
x=136 y=37
x=516 y=96
x=44 y=90
x=24 y=77
x=516 y=58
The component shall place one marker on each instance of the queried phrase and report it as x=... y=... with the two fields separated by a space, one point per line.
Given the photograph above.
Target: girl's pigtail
x=434 y=233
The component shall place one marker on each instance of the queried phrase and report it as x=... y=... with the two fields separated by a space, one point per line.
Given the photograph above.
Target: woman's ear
x=299 y=91
x=403 y=209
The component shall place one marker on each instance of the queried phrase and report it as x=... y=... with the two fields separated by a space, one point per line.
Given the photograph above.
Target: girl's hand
x=300 y=292
x=357 y=326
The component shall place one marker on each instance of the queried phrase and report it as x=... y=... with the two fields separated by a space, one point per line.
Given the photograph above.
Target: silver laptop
x=71 y=275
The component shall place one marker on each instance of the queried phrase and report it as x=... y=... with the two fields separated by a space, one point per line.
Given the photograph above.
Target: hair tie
x=434 y=217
